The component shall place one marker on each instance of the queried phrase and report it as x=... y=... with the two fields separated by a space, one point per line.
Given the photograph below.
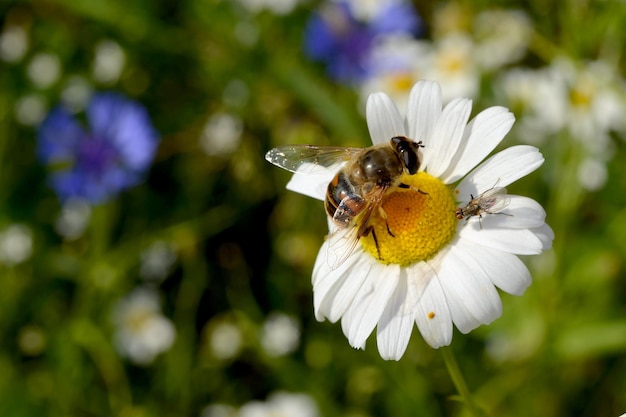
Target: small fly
x=492 y=201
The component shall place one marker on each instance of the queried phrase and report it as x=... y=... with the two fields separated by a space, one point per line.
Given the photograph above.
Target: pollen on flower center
x=414 y=223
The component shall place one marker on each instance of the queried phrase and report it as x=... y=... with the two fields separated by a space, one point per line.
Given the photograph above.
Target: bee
x=363 y=178
x=492 y=201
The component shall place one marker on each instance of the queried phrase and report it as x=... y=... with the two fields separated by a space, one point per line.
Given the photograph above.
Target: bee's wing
x=494 y=200
x=307 y=159
x=341 y=243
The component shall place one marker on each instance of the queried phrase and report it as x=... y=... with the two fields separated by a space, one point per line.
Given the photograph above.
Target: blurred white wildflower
x=157 y=261
x=535 y=97
x=108 y=62
x=501 y=37
x=594 y=99
x=458 y=55
x=280 y=334
x=16 y=244
x=584 y=100
x=76 y=94
x=281 y=404
x=592 y=174
x=279 y=7
x=142 y=332
x=44 y=69
x=395 y=67
x=30 y=109
x=397 y=63
x=74 y=218
x=451 y=61
x=13 y=43
x=225 y=339
x=221 y=135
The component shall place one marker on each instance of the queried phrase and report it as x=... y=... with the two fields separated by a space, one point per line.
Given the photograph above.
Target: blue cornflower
x=343 y=41
x=111 y=155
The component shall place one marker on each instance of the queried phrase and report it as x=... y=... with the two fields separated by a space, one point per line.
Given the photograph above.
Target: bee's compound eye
x=408 y=151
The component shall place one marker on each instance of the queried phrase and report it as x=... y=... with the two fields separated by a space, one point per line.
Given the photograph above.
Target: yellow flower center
x=581 y=96
x=402 y=81
x=414 y=223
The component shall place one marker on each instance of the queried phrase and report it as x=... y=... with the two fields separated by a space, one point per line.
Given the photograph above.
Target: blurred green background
x=212 y=249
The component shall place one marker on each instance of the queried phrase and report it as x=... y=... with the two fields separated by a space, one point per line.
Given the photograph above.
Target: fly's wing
x=307 y=159
x=494 y=200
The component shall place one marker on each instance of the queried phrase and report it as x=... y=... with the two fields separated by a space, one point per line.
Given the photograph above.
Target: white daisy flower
x=420 y=264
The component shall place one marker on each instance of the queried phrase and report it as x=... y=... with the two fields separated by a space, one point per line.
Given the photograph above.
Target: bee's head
x=409 y=152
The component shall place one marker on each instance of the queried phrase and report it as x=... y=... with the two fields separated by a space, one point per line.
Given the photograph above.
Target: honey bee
x=492 y=201
x=357 y=190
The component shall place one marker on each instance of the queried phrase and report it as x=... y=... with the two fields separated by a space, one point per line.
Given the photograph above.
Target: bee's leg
x=376 y=243
x=389 y=230
x=384 y=216
x=367 y=231
x=403 y=185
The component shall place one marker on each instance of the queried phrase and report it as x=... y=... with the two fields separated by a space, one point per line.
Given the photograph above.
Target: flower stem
x=459 y=381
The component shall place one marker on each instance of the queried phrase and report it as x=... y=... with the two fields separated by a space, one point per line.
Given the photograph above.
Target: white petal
x=394 y=335
x=505 y=270
x=369 y=303
x=501 y=169
x=383 y=118
x=472 y=298
x=447 y=135
x=396 y=324
x=423 y=111
x=518 y=241
x=525 y=212
x=432 y=314
x=482 y=135
x=334 y=289
x=545 y=234
x=312 y=185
